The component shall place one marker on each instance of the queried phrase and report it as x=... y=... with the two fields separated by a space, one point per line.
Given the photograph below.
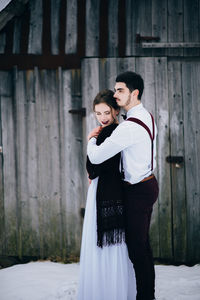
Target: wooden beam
x=29 y=61
x=170 y=45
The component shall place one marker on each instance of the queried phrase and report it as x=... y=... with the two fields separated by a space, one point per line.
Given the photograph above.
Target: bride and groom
x=116 y=261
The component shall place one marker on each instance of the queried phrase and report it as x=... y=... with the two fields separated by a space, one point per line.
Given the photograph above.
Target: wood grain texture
x=179 y=209
x=92 y=27
x=164 y=201
x=55 y=25
x=42 y=148
x=175 y=25
x=71 y=27
x=112 y=28
x=35 y=31
x=192 y=148
x=159 y=24
x=191 y=25
x=16 y=36
x=9 y=167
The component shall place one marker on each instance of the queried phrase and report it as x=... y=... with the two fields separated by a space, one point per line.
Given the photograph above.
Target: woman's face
x=105 y=114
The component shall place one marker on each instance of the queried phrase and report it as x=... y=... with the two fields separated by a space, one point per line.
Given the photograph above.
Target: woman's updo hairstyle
x=105 y=96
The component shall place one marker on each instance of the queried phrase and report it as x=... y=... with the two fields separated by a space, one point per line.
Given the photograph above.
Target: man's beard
x=128 y=100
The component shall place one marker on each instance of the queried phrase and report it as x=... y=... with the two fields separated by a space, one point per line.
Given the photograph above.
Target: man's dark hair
x=133 y=81
x=106 y=96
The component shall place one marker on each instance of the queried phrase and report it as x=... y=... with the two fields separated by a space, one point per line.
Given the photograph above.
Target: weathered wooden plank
x=159 y=24
x=71 y=27
x=16 y=35
x=35 y=31
x=55 y=25
x=146 y=68
x=175 y=20
x=3 y=93
x=2 y=42
x=73 y=166
x=177 y=171
x=125 y=64
x=139 y=25
x=48 y=164
x=112 y=28
x=21 y=162
x=191 y=25
x=109 y=68
x=170 y=45
x=191 y=106
x=62 y=112
x=30 y=218
x=90 y=87
x=9 y=167
x=130 y=27
x=92 y=27
x=111 y=72
x=163 y=150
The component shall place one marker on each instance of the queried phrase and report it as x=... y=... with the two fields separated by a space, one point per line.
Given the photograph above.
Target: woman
x=105 y=268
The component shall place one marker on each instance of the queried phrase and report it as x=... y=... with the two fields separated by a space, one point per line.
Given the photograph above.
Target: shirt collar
x=134 y=109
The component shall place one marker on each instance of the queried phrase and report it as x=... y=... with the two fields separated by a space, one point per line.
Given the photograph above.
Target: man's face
x=122 y=94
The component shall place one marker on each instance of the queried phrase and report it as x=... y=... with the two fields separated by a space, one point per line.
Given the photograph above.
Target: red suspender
x=138 y=121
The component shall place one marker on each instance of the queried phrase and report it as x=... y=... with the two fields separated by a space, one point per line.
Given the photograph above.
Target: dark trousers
x=139 y=200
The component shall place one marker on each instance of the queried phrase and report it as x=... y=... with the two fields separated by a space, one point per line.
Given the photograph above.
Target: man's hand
x=95 y=132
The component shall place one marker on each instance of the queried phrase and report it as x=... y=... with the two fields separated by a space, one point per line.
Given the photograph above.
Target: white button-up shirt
x=134 y=142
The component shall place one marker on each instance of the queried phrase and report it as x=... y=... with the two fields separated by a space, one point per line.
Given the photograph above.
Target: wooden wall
x=61 y=32
x=42 y=169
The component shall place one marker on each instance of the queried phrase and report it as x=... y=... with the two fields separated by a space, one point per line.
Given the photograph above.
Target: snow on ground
x=50 y=281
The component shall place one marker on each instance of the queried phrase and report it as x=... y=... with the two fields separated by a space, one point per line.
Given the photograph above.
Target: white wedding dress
x=105 y=273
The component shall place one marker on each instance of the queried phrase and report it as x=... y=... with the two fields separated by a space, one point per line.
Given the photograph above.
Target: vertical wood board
x=55 y=25
x=175 y=25
x=191 y=82
x=92 y=27
x=35 y=30
x=112 y=28
x=164 y=201
x=71 y=27
x=177 y=170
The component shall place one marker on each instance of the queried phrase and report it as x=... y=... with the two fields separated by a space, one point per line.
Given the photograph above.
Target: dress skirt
x=105 y=273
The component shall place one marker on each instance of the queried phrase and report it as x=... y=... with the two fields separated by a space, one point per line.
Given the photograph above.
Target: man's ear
x=135 y=92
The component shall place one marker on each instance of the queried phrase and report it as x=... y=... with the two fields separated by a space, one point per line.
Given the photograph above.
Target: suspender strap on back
x=152 y=135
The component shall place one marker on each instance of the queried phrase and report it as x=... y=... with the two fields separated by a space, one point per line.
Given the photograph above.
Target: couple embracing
x=116 y=261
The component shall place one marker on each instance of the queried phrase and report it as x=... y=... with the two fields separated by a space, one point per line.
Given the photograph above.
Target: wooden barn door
x=42 y=163
x=184 y=112
x=171 y=90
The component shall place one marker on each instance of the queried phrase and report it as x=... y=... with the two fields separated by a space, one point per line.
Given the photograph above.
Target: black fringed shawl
x=110 y=211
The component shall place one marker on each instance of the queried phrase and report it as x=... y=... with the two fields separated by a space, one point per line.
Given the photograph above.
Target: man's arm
x=118 y=141
x=98 y=154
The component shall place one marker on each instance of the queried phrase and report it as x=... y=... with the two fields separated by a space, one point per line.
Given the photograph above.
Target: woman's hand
x=95 y=132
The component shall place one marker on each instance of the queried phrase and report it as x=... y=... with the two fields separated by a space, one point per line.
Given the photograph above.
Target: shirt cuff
x=92 y=140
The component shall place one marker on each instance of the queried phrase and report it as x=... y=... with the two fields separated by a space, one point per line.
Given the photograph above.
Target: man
x=135 y=137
